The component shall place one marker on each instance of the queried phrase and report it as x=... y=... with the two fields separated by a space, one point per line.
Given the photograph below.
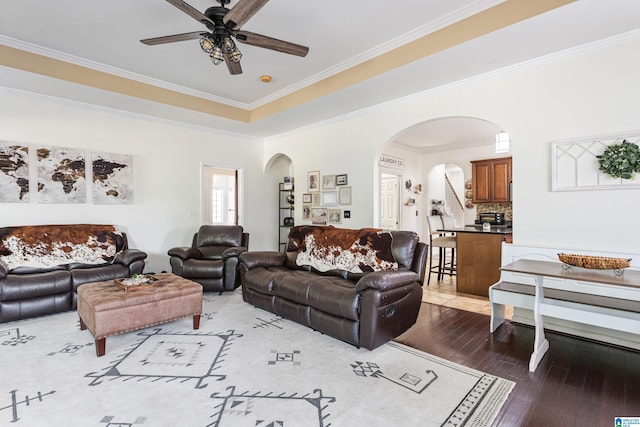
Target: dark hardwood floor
x=578 y=382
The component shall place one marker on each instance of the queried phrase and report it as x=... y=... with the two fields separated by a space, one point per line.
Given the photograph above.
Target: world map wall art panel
x=60 y=175
x=112 y=178
x=14 y=173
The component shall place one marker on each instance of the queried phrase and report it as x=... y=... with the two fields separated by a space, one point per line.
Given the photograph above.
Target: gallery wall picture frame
x=334 y=216
x=329 y=198
x=319 y=216
x=315 y=199
x=342 y=179
x=313 y=181
x=306 y=212
x=328 y=182
x=344 y=195
x=288 y=183
x=306 y=198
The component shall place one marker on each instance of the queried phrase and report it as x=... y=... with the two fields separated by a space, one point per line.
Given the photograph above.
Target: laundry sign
x=391 y=162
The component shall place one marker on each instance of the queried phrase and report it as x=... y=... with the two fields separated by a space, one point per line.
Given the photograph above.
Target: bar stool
x=438 y=240
x=447 y=223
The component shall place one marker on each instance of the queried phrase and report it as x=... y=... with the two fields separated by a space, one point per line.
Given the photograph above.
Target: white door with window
x=219 y=196
x=389 y=201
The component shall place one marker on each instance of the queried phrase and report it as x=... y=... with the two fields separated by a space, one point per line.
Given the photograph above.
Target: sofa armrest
x=233 y=251
x=184 y=252
x=384 y=280
x=3 y=270
x=262 y=259
x=129 y=256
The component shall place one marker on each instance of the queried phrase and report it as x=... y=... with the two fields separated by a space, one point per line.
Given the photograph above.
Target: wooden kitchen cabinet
x=491 y=180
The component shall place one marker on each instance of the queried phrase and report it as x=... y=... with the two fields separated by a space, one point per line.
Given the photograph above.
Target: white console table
x=585 y=308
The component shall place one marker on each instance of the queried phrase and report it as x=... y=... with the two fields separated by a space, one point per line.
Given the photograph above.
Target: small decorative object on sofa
x=41 y=266
x=360 y=286
x=212 y=259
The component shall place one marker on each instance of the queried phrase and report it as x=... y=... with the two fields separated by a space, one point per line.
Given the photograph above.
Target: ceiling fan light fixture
x=216 y=55
x=207 y=44
x=235 y=56
x=228 y=45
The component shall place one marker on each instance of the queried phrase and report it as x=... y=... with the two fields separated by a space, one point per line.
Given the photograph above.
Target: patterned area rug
x=243 y=367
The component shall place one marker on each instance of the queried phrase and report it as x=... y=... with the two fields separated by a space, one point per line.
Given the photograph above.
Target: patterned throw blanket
x=356 y=251
x=45 y=246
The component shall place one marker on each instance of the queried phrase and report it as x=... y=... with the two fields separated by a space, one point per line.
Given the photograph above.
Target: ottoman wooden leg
x=100 y=346
x=196 y=321
x=82 y=325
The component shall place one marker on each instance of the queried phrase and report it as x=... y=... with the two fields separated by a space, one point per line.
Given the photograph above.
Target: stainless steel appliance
x=493 y=218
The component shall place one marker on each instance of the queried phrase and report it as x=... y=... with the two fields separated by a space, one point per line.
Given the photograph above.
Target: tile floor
x=444 y=293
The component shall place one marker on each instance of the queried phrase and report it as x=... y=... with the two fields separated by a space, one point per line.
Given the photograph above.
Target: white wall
x=167 y=162
x=588 y=94
x=593 y=93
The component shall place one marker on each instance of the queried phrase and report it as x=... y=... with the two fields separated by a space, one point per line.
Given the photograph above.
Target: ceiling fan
x=224 y=25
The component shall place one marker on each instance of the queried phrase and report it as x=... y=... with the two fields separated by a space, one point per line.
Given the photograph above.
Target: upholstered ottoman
x=107 y=309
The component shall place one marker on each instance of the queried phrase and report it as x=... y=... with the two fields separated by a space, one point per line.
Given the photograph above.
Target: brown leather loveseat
x=41 y=266
x=360 y=286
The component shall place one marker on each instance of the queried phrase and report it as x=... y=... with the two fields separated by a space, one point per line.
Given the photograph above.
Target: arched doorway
x=275 y=171
x=446 y=145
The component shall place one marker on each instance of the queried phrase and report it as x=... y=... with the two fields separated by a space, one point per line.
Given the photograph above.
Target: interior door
x=389 y=201
x=219 y=196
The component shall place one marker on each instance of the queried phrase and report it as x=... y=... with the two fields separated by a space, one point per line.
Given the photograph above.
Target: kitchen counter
x=477 y=228
x=479 y=256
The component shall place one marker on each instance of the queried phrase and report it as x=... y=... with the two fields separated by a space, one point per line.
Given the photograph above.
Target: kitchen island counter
x=479 y=256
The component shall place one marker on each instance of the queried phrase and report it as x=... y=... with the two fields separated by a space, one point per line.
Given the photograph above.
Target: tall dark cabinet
x=285 y=214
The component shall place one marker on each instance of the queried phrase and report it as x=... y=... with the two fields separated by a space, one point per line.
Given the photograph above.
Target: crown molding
x=72 y=59
x=388 y=46
x=546 y=59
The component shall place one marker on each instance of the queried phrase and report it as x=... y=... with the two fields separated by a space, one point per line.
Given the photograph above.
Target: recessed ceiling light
x=265 y=78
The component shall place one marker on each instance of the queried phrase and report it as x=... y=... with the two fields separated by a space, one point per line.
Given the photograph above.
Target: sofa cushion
x=260 y=279
x=330 y=294
x=355 y=251
x=44 y=246
x=219 y=235
x=203 y=268
x=22 y=287
x=100 y=273
x=211 y=252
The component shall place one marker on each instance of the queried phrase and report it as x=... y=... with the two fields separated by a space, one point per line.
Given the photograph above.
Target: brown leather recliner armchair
x=212 y=259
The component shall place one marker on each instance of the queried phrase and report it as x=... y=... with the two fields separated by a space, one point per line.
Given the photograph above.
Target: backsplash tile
x=495 y=207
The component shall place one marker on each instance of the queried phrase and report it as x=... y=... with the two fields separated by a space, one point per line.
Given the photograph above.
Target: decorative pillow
x=45 y=246
x=356 y=251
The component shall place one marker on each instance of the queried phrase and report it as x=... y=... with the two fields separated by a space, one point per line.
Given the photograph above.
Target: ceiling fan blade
x=174 y=38
x=242 y=12
x=271 y=43
x=193 y=12
x=234 y=67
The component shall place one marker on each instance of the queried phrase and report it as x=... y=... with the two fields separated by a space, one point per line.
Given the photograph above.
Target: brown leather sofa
x=27 y=292
x=365 y=309
x=212 y=259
